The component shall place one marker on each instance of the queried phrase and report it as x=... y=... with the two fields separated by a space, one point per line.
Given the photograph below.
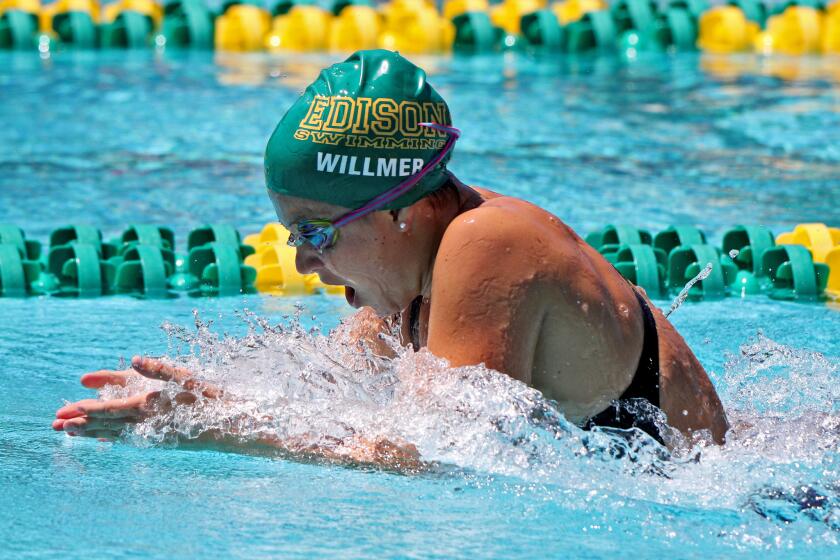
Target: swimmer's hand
x=107 y=419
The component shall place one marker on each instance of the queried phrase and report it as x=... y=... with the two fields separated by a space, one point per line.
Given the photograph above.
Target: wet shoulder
x=508 y=218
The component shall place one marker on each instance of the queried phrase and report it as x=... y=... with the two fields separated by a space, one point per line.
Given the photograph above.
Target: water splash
x=681 y=297
x=780 y=465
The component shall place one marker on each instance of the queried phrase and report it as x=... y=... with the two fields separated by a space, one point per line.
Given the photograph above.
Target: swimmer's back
x=546 y=308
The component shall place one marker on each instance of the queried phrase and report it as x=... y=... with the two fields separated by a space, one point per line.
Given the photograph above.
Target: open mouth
x=350 y=294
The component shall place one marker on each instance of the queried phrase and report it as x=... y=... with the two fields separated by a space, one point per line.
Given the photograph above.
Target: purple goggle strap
x=399 y=190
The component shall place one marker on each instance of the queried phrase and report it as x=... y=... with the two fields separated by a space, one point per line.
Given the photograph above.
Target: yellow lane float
x=271 y=234
x=242 y=27
x=148 y=8
x=353 y=28
x=415 y=26
x=302 y=28
x=72 y=21
x=725 y=29
x=832 y=259
x=508 y=14
x=453 y=8
x=796 y=31
x=274 y=262
x=65 y=6
x=573 y=10
x=817 y=238
x=830 y=42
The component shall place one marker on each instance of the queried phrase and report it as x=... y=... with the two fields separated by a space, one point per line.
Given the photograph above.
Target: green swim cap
x=355 y=133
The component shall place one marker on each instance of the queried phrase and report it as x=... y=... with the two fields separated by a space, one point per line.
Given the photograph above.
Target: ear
x=404 y=218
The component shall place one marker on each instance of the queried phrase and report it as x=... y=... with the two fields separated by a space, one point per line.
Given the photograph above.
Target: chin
x=382 y=307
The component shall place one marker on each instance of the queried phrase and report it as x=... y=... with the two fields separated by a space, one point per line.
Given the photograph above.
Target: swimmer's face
x=369 y=257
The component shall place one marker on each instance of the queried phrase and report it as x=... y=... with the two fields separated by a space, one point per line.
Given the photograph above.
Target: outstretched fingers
x=131 y=407
x=102 y=429
x=154 y=368
x=103 y=377
x=158 y=369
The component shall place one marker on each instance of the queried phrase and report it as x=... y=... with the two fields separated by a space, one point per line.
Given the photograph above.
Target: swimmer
x=357 y=171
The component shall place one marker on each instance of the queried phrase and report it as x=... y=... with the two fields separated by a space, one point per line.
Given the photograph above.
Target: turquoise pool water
x=112 y=139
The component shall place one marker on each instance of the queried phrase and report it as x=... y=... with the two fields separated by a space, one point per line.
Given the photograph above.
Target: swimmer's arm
x=107 y=419
x=482 y=309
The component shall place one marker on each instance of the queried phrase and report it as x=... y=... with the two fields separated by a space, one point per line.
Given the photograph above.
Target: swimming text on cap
x=365 y=122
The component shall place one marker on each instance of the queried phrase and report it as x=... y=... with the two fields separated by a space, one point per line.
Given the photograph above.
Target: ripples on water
x=780 y=461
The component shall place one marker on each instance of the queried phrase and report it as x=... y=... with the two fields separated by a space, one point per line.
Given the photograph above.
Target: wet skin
x=504 y=283
x=507 y=284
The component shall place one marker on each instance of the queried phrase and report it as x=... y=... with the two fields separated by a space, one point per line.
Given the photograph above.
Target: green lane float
x=629 y=27
x=144 y=270
x=187 y=24
x=638 y=15
x=73 y=22
x=573 y=10
x=674 y=236
x=19 y=24
x=643 y=266
x=13 y=235
x=144 y=234
x=83 y=234
x=614 y=235
x=220 y=270
x=475 y=33
x=79 y=270
x=793 y=273
x=129 y=24
x=678 y=26
x=593 y=31
x=542 y=29
x=695 y=8
x=678 y=254
x=685 y=262
x=214 y=263
x=804 y=265
x=748 y=244
x=630 y=251
x=216 y=233
x=17 y=275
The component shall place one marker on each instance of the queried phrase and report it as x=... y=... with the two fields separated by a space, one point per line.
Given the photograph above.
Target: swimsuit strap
x=645 y=383
x=624 y=413
x=414 y=322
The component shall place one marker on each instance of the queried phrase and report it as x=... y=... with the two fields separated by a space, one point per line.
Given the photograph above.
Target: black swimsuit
x=634 y=408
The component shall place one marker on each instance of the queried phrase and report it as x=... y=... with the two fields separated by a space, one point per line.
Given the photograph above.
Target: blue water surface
x=112 y=139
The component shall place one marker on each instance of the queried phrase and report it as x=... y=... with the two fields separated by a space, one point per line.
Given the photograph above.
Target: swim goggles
x=322 y=234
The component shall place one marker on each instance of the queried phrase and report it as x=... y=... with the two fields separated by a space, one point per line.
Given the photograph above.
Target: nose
x=307 y=259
